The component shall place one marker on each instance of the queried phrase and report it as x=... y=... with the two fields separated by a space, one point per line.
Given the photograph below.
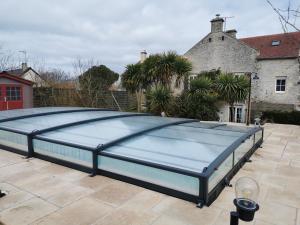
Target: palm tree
x=159 y=99
x=232 y=89
x=134 y=80
x=163 y=68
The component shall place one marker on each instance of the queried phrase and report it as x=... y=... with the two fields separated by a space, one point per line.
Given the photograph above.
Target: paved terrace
x=42 y=193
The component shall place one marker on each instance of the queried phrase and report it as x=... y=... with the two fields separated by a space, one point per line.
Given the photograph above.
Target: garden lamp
x=246 y=191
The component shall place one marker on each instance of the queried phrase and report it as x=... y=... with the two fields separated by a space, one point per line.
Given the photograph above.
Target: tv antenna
x=225 y=20
x=25 y=55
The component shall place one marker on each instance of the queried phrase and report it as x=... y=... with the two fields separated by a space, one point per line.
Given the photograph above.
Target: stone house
x=273 y=58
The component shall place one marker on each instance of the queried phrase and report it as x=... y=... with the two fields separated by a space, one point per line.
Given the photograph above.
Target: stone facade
x=220 y=49
x=269 y=71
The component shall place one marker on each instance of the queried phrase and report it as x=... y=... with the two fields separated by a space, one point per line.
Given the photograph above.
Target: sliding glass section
x=32 y=111
x=71 y=154
x=175 y=181
x=220 y=172
x=13 y=140
x=104 y=131
x=258 y=136
x=48 y=121
x=243 y=148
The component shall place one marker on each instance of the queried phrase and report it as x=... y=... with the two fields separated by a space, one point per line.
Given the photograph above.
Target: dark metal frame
x=204 y=198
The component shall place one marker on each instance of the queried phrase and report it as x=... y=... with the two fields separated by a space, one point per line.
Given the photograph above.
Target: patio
x=42 y=193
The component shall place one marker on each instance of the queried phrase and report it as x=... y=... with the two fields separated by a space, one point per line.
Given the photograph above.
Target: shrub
x=281 y=117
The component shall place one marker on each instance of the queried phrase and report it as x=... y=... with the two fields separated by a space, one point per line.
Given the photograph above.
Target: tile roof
x=15 y=77
x=20 y=72
x=288 y=48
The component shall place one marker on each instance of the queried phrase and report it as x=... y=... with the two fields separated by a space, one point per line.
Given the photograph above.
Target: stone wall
x=264 y=87
x=220 y=50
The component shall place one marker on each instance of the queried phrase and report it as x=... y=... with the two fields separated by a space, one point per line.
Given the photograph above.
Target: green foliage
x=281 y=117
x=212 y=74
x=201 y=85
x=162 y=68
x=198 y=107
x=132 y=78
x=232 y=88
x=97 y=78
x=159 y=98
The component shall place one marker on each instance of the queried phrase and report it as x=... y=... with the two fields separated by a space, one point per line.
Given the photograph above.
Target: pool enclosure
x=184 y=158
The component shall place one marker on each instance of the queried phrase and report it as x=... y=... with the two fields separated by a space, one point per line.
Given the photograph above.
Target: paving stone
x=83 y=212
x=117 y=193
x=26 y=212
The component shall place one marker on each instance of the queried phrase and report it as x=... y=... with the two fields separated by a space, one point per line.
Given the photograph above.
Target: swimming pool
x=184 y=158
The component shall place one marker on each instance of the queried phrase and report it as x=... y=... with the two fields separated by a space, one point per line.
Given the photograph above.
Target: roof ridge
x=269 y=35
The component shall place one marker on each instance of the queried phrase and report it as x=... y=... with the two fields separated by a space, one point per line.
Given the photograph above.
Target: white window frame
x=285 y=86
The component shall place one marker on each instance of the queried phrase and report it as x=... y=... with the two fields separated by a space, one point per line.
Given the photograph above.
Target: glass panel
x=193 y=134
x=43 y=122
x=101 y=132
x=232 y=128
x=258 y=135
x=160 y=177
x=218 y=130
x=201 y=125
x=243 y=149
x=63 y=152
x=32 y=111
x=14 y=140
x=220 y=173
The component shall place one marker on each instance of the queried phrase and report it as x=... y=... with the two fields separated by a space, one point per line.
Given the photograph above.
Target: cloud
x=114 y=32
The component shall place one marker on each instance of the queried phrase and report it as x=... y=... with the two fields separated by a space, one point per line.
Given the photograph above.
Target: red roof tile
x=16 y=78
x=288 y=48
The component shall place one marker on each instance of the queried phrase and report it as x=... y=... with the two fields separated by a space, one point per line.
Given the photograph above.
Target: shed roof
x=5 y=74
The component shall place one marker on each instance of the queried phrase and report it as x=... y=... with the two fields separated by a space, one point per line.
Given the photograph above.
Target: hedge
x=281 y=117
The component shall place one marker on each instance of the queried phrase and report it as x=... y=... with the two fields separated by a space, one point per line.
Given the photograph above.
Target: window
x=275 y=43
x=209 y=39
x=280 y=84
x=193 y=77
x=13 y=93
x=223 y=38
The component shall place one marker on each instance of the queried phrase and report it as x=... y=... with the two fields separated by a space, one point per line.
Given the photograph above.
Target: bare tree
x=288 y=16
x=7 y=60
x=87 y=97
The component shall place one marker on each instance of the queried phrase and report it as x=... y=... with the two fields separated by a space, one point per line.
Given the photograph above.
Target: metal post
x=30 y=152
x=234 y=218
x=95 y=163
x=249 y=101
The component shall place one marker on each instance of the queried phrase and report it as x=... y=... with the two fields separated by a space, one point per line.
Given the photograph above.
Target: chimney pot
x=24 y=66
x=232 y=33
x=217 y=24
x=143 y=56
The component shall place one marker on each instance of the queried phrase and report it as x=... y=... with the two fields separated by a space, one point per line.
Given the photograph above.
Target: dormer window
x=275 y=43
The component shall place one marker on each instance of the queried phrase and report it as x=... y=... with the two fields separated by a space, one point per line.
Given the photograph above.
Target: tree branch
x=284 y=20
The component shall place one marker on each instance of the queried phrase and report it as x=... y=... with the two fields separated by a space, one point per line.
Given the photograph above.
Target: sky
x=56 y=33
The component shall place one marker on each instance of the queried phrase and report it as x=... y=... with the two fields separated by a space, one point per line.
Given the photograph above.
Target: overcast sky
x=113 y=32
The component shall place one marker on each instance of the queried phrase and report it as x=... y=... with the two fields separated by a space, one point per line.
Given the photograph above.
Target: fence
x=118 y=100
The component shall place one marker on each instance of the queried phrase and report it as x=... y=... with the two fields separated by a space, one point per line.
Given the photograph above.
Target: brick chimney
x=217 y=24
x=231 y=33
x=143 y=56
